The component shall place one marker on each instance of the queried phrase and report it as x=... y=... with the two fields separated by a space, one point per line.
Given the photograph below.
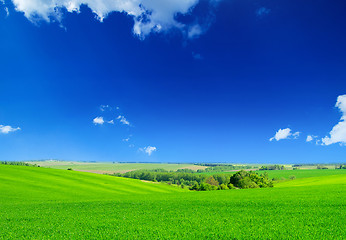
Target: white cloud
x=309 y=138
x=284 y=134
x=7 y=129
x=5 y=8
x=338 y=133
x=110 y=121
x=148 y=150
x=98 y=120
x=7 y=12
x=296 y=135
x=127 y=139
x=123 y=120
x=104 y=108
x=148 y=15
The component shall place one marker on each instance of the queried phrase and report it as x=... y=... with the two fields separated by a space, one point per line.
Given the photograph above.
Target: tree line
x=16 y=163
x=272 y=167
x=202 y=182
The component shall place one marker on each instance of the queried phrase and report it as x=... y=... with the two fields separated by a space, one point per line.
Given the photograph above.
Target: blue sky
x=192 y=81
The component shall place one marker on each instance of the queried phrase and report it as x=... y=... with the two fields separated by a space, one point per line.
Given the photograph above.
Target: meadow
x=108 y=167
x=39 y=203
x=301 y=173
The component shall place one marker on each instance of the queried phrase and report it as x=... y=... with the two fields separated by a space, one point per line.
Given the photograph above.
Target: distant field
x=303 y=173
x=112 y=167
x=40 y=203
x=297 y=173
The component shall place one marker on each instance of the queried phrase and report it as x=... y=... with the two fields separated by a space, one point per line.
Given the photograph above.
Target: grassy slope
x=31 y=183
x=81 y=206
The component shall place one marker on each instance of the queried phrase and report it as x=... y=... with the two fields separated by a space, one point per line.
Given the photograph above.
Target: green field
x=100 y=167
x=297 y=173
x=303 y=173
x=40 y=203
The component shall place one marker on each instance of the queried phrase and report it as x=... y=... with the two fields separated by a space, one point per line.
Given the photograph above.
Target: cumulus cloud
x=98 y=120
x=7 y=129
x=110 y=121
x=123 y=120
x=148 y=150
x=338 y=133
x=148 y=15
x=284 y=134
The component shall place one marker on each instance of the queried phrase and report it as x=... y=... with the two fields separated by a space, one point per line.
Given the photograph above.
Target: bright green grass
x=37 y=203
x=303 y=173
x=114 y=167
x=297 y=173
x=33 y=183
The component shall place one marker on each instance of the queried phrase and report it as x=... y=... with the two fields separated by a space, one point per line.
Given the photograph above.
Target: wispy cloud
x=105 y=107
x=197 y=56
x=2 y=2
x=127 y=139
x=295 y=135
x=148 y=150
x=338 y=133
x=7 y=129
x=148 y=16
x=98 y=120
x=123 y=120
x=262 y=11
x=284 y=134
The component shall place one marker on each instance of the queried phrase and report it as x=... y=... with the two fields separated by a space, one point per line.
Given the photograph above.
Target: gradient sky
x=211 y=81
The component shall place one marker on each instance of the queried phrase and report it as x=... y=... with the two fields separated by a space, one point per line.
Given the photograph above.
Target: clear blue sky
x=203 y=81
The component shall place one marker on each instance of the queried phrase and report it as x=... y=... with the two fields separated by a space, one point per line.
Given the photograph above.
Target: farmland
x=107 y=167
x=39 y=203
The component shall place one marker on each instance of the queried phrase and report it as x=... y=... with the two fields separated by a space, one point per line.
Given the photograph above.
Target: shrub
x=243 y=179
x=247 y=183
x=223 y=187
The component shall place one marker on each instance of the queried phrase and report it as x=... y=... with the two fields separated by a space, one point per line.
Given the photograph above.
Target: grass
x=111 y=167
x=38 y=203
x=297 y=173
x=304 y=173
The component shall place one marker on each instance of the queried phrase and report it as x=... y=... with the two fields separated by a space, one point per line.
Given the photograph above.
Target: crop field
x=40 y=203
x=100 y=167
